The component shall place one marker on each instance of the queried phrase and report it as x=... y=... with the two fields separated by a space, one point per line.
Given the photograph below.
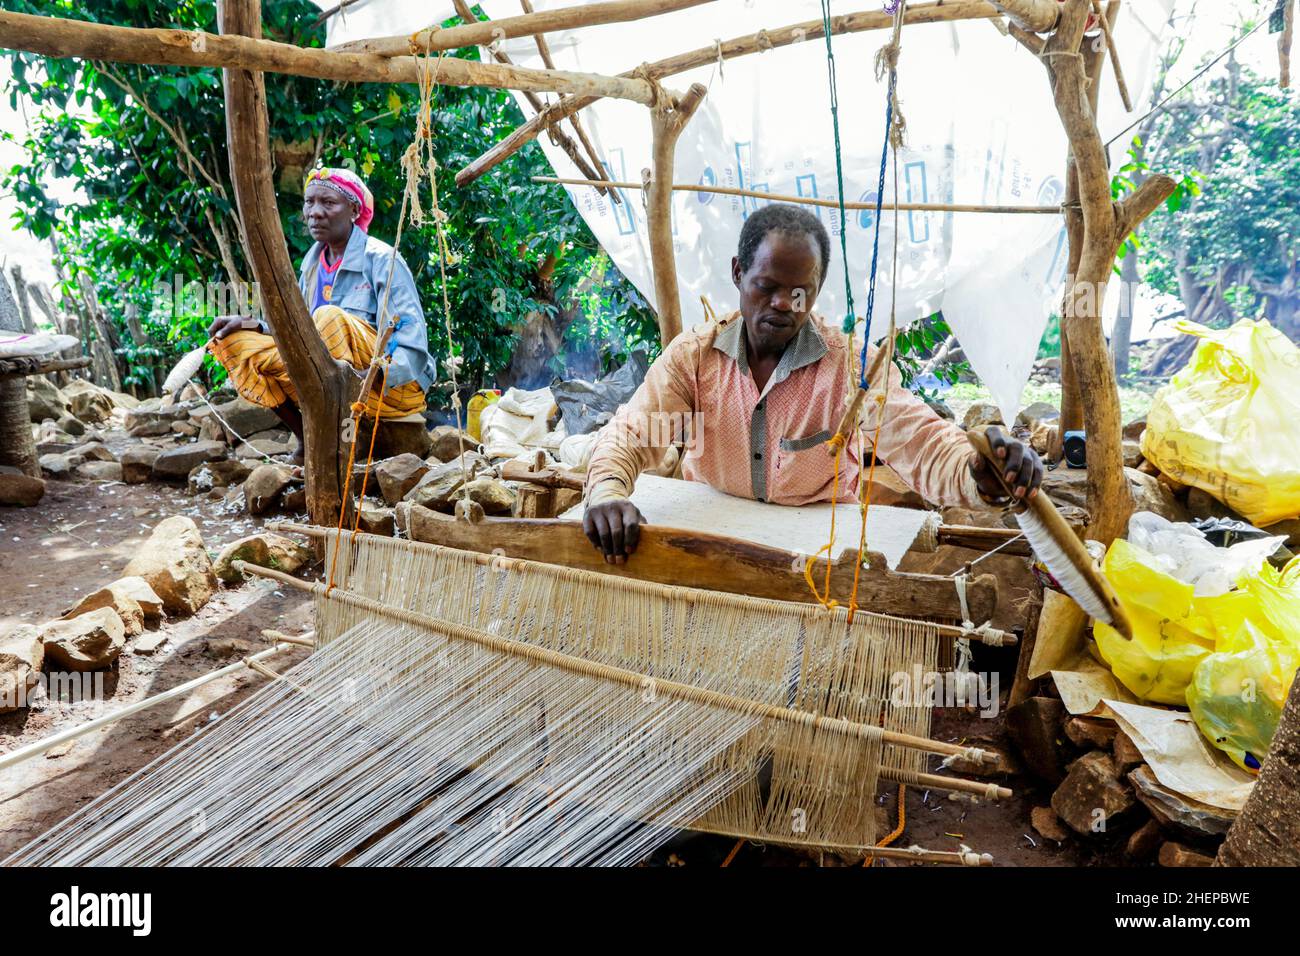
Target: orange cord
x=370 y=454
x=357 y=408
x=824 y=599
x=732 y=855
x=898 y=830
x=864 y=496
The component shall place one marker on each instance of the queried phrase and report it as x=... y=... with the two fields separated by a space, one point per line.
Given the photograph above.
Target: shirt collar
x=354 y=254
x=805 y=348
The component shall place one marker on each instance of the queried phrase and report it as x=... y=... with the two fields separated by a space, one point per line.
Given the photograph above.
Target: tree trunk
x=1075 y=71
x=1121 y=336
x=1267 y=833
x=17 y=449
x=667 y=120
x=324 y=390
x=20 y=294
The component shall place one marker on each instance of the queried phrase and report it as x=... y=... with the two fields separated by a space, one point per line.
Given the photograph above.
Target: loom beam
x=713 y=562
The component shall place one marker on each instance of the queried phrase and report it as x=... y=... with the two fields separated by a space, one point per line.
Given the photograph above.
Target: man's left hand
x=1021 y=467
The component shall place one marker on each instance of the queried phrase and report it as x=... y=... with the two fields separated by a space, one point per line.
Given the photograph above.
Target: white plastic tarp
x=981 y=128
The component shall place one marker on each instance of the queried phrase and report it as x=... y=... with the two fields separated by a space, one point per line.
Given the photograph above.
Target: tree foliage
x=1233 y=250
x=147 y=147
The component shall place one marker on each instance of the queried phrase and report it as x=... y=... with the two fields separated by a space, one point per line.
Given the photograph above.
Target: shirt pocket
x=804 y=468
x=808 y=441
x=360 y=303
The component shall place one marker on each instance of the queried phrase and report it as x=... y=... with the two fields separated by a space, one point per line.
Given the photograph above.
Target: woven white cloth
x=804 y=530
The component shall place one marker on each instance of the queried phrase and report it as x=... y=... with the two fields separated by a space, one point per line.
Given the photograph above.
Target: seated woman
x=344 y=279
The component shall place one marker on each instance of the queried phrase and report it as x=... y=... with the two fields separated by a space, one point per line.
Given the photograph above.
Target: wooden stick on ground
x=814 y=200
x=180 y=690
x=667 y=120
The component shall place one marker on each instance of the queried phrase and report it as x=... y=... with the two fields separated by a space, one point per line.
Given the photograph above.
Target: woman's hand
x=223 y=325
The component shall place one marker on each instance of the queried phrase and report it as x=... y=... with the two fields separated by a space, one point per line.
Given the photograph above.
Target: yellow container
x=481 y=400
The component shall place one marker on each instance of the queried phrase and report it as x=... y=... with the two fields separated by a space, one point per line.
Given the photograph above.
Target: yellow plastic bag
x=1229 y=423
x=479 y=401
x=1237 y=694
x=1172 y=631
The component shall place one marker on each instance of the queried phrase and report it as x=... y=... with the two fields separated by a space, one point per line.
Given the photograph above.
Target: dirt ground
x=82 y=534
x=78 y=539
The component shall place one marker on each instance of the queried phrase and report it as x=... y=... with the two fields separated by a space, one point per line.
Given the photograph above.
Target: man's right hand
x=223 y=325
x=614 y=528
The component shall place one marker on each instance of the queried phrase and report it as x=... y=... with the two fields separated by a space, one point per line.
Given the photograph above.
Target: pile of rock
x=1105 y=793
x=172 y=575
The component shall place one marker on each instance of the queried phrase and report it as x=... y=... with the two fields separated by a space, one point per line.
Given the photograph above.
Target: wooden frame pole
x=483 y=32
x=544 y=51
x=667 y=120
x=558 y=137
x=324 y=390
x=54 y=36
x=940 y=11
x=813 y=200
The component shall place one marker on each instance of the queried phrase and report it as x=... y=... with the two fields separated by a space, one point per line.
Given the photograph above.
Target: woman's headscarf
x=349 y=185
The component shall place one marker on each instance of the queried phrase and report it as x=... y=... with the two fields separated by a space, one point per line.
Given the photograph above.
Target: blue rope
x=875 y=241
x=839 y=159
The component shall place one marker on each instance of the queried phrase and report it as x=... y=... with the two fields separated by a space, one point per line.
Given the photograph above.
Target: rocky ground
x=120 y=566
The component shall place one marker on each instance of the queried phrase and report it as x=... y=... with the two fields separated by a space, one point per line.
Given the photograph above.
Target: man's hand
x=223 y=325
x=614 y=528
x=1022 y=468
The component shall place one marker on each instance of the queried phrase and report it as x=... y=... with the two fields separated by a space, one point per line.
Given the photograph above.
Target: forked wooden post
x=324 y=390
x=668 y=118
x=1097 y=226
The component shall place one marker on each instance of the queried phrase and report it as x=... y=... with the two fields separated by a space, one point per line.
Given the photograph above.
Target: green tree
x=1234 y=249
x=147 y=147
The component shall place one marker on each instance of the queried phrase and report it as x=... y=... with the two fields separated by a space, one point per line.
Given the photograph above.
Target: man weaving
x=765 y=389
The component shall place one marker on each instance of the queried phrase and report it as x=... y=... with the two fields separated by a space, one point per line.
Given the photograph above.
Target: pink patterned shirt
x=770 y=445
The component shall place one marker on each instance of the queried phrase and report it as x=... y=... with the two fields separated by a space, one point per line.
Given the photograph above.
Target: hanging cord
x=827 y=30
x=895 y=126
x=427 y=84
x=382 y=358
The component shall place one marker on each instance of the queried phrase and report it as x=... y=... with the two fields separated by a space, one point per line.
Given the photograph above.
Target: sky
x=1208 y=24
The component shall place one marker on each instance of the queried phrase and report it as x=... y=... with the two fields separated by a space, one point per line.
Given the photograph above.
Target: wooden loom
x=453 y=690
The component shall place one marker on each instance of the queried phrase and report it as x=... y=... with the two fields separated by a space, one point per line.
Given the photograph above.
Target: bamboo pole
x=815 y=200
x=484 y=32
x=667 y=120
x=72 y=733
x=621 y=675
x=940 y=11
x=57 y=37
